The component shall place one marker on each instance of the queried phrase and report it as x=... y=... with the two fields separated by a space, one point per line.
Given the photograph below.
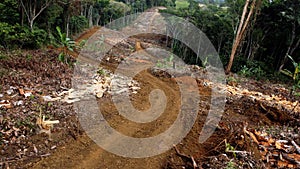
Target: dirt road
x=84 y=153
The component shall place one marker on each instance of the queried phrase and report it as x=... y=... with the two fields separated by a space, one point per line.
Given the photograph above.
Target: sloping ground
x=257 y=117
x=22 y=147
x=71 y=148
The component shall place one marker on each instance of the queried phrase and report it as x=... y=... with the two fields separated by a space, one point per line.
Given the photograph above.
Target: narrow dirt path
x=84 y=153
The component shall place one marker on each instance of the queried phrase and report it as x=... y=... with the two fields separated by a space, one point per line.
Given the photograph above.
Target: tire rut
x=84 y=153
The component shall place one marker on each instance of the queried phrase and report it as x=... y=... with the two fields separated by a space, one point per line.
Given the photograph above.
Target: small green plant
x=294 y=75
x=159 y=64
x=229 y=148
x=28 y=56
x=171 y=58
x=101 y=72
x=256 y=72
x=25 y=123
x=81 y=44
x=67 y=45
x=166 y=63
x=49 y=104
x=231 y=165
x=31 y=96
x=231 y=81
x=205 y=62
x=245 y=71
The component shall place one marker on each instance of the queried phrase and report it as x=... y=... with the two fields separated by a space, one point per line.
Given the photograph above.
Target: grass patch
x=181 y=4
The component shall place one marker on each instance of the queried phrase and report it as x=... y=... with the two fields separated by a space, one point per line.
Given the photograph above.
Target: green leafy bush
x=16 y=36
x=78 y=24
x=253 y=69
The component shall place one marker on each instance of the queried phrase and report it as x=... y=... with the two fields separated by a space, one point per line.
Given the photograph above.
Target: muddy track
x=84 y=153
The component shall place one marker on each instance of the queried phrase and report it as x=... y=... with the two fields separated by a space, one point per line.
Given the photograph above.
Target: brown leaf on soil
x=271 y=141
x=21 y=91
x=265 y=144
x=280 y=145
x=282 y=164
x=295 y=156
x=251 y=135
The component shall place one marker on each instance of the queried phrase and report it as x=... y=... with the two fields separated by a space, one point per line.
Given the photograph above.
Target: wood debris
x=277 y=152
x=45 y=125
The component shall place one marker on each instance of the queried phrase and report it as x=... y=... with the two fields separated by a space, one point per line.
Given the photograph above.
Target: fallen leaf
x=295 y=156
x=282 y=164
x=21 y=91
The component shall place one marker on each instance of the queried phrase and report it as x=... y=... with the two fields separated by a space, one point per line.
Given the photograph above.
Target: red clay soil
x=87 y=34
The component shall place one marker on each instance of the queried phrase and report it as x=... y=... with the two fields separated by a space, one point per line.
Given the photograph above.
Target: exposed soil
x=250 y=106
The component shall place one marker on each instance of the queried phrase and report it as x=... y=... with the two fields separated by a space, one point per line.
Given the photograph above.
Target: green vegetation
x=229 y=148
x=181 y=4
x=231 y=165
x=264 y=46
x=32 y=25
x=102 y=72
x=166 y=63
x=66 y=44
x=295 y=75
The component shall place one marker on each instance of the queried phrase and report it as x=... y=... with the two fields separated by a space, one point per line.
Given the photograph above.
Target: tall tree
x=243 y=24
x=33 y=8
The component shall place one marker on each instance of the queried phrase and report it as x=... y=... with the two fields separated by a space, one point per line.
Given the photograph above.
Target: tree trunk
x=241 y=31
x=68 y=24
x=237 y=38
x=98 y=20
x=32 y=12
x=90 y=16
x=21 y=15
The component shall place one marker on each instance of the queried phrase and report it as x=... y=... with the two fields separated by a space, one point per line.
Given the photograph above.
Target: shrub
x=16 y=36
x=253 y=69
x=78 y=24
